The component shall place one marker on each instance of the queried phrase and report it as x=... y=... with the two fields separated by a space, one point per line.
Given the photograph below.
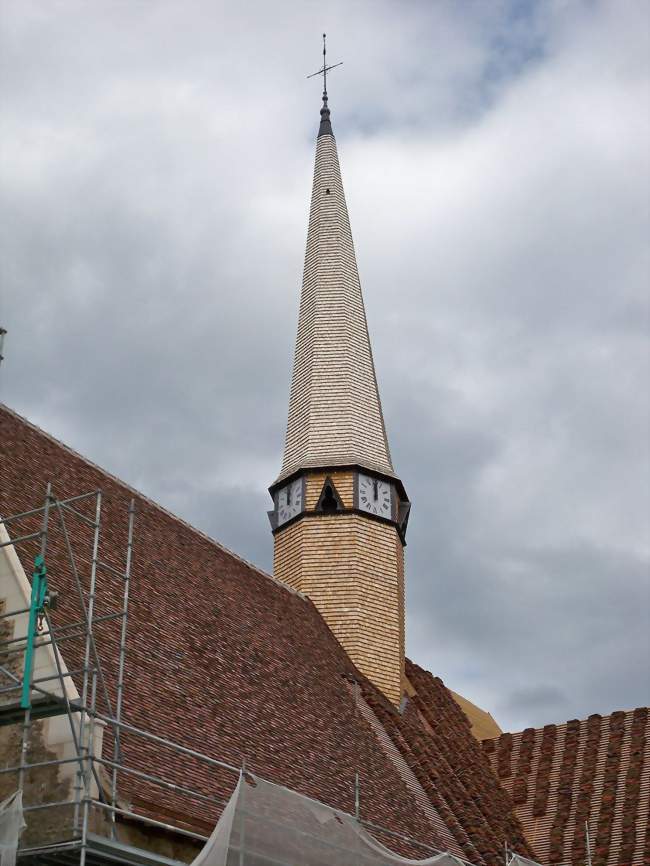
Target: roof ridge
x=442 y=833
x=602 y=716
x=150 y=501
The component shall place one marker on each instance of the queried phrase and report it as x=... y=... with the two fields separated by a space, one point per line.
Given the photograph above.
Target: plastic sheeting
x=267 y=825
x=11 y=825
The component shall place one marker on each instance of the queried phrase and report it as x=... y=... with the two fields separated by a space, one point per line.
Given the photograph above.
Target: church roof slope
x=596 y=770
x=225 y=660
x=434 y=737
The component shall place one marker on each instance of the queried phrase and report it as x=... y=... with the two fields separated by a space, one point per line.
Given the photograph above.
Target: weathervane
x=325 y=69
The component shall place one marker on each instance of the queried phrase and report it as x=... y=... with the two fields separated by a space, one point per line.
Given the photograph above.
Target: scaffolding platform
x=99 y=851
x=42 y=708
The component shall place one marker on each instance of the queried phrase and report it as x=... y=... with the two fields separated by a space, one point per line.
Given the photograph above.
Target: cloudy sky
x=156 y=163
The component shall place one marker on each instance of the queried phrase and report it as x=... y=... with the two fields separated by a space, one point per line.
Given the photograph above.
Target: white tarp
x=11 y=825
x=267 y=825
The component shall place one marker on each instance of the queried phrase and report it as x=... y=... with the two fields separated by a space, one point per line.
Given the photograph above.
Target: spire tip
x=325 y=125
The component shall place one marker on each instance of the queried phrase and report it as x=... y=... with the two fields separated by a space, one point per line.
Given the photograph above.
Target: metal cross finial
x=325 y=69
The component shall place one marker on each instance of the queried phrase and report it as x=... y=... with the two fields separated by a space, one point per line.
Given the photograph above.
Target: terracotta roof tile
x=225 y=660
x=595 y=771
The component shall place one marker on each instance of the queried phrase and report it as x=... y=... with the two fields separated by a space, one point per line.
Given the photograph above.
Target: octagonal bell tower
x=339 y=511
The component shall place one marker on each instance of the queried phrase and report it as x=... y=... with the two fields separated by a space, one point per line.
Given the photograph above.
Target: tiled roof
x=434 y=737
x=224 y=660
x=596 y=771
x=335 y=415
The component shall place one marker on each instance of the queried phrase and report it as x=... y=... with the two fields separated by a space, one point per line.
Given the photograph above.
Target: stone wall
x=42 y=784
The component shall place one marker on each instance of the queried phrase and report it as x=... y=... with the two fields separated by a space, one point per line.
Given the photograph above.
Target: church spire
x=339 y=512
x=335 y=415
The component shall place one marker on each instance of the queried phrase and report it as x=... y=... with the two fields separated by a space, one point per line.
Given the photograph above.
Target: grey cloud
x=541 y=696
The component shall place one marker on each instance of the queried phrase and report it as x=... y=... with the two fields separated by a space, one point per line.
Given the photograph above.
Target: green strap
x=39 y=594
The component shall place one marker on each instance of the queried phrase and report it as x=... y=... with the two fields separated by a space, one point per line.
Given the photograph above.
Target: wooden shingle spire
x=335 y=415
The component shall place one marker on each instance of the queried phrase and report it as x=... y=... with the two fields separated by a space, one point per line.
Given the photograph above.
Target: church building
x=147 y=673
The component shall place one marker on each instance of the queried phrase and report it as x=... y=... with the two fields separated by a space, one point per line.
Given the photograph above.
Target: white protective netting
x=11 y=825
x=267 y=825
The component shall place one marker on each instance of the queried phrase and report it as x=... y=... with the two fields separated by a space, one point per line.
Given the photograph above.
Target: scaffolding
x=84 y=827
x=26 y=697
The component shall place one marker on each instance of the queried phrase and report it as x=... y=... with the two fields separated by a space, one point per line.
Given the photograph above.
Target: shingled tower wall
x=348 y=559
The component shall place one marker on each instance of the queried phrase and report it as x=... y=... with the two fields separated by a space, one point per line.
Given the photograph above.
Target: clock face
x=290 y=501
x=375 y=496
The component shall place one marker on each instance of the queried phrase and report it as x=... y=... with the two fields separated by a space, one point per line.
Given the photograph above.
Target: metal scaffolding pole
x=117 y=746
x=28 y=668
x=88 y=772
x=88 y=612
